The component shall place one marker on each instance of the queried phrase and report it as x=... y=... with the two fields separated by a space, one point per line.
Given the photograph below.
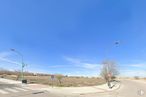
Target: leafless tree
x=109 y=70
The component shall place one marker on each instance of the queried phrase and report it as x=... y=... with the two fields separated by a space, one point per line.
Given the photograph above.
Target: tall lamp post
x=109 y=75
x=22 y=63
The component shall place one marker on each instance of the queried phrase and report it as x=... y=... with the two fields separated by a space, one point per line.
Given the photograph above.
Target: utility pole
x=22 y=63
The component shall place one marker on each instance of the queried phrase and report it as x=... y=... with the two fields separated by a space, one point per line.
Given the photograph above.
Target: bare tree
x=109 y=70
x=59 y=78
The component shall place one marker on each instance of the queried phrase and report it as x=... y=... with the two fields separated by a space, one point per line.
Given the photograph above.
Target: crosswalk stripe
x=11 y=90
x=14 y=89
x=27 y=88
x=21 y=89
x=3 y=92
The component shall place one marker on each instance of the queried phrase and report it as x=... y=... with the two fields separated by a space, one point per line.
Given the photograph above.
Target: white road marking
x=11 y=90
x=3 y=92
x=21 y=89
x=27 y=88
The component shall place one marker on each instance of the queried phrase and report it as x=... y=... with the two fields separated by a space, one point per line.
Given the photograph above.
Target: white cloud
x=5 y=54
x=54 y=66
x=9 y=61
x=82 y=63
x=134 y=66
x=4 y=57
x=140 y=73
x=138 y=65
x=73 y=60
x=137 y=69
x=90 y=65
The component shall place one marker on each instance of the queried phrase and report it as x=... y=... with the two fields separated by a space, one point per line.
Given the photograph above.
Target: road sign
x=109 y=74
x=52 y=77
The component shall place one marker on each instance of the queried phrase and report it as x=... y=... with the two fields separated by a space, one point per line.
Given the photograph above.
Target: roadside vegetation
x=136 y=77
x=58 y=80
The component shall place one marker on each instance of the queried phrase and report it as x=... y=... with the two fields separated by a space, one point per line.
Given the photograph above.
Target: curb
x=104 y=90
x=101 y=90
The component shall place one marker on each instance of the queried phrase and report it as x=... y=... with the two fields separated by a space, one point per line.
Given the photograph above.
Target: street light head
x=117 y=42
x=12 y=49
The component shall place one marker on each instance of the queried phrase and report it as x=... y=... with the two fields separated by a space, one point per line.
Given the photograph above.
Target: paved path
x=76 y=90
x=7 y=81
x=10 y=88
x=128 y=88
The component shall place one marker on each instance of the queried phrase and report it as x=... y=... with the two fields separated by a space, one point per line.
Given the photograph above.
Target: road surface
x=132 y=89
x=19 y=90
x=129 y=88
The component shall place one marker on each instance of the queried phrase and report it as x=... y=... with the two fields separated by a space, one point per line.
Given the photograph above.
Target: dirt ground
x=65 y=81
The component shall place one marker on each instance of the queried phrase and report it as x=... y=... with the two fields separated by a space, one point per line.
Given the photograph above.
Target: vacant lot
x=64 y=81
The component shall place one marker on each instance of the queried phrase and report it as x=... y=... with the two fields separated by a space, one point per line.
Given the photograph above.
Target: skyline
x=73 y=37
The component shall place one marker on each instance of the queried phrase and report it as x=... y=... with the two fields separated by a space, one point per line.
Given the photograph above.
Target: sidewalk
x=75 y=90
x=8 y=81
x=65 y=90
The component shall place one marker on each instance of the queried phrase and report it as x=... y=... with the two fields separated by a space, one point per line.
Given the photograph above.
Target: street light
x=22 y=62
x=109 y=74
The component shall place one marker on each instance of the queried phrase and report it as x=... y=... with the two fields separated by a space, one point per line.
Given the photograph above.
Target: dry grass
x=66 y=81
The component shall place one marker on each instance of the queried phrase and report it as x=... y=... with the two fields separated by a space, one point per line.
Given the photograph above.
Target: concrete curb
x=88 y=90
x=105 y=91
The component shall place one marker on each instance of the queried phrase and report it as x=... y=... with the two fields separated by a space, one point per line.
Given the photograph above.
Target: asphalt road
x=18 y=90
x=132 y=89
x=128 y=88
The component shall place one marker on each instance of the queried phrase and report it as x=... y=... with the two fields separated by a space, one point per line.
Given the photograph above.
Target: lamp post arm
x=23 y=65
x=22 y=60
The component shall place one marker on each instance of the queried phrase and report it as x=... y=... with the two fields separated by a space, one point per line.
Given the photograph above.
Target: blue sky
x=73 y=37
